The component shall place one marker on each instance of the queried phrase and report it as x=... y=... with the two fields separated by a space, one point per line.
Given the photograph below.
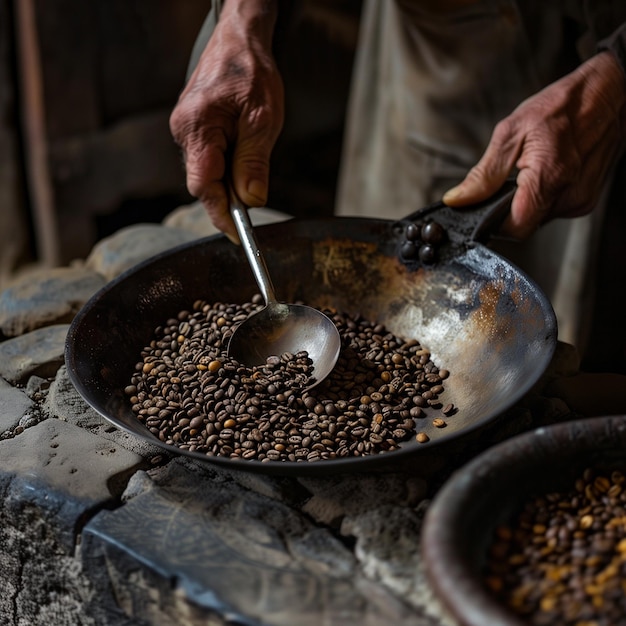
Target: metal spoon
x=279 y=327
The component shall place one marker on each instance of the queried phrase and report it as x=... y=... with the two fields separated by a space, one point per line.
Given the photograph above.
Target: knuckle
x=195 y=183
x=182 y=122
x=502 y=130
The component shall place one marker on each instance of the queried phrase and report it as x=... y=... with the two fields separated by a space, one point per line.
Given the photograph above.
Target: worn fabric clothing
x=206 y=30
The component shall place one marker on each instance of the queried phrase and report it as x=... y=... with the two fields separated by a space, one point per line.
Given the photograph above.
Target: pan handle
x=454 y=226
x=492 y=212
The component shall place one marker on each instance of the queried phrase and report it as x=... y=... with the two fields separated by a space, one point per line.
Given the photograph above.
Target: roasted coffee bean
x=197 y=398
x=562 y=558
x=448 y=409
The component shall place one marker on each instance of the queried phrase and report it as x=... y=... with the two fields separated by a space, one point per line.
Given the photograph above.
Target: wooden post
x=34 y=128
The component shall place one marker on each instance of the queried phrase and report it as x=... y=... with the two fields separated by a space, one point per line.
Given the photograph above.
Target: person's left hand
x=563 y=140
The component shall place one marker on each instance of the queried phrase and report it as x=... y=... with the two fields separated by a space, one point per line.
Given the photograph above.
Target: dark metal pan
x=481 y=317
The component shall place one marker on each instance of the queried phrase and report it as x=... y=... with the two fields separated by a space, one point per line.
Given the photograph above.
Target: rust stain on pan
x=354 y=274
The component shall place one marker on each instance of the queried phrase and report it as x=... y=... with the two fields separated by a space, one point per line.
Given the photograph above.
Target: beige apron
x=431 y=80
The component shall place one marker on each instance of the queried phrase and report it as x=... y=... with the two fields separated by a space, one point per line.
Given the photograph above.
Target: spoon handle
x=250 y=246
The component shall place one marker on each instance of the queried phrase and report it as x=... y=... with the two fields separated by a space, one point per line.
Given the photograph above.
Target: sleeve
x=204 y=35
x=616 y=43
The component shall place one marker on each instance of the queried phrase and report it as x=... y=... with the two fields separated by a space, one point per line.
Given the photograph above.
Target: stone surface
x=42 y=581
x=333 y=498
x=79 y=470
x=36 y=388
x=131 y=245
x=388 y=549
x=263 y=560
x=46 y=297
x=39 y=353
x=383 y=515
x=52 y=477
x=64 y=402
x=14 y=404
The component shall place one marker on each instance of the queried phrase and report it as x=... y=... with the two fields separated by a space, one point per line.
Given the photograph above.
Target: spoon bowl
x=279 y=327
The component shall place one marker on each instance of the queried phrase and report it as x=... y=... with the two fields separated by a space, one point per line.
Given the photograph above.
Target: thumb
x=485 y=178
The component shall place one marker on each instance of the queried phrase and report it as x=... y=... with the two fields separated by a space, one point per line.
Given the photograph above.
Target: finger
x=490 y=173
x=251 y=168
x=206 y=166
x=529 y=208
x=205 y=163
x=256 y=138
x=216 y=202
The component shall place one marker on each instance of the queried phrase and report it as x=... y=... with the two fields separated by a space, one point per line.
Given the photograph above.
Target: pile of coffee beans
x=190 y=394
x=563 y=559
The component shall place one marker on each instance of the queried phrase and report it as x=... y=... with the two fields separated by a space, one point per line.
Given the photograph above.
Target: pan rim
x=338 y=465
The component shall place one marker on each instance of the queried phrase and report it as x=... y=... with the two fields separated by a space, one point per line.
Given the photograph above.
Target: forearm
x=255 y=18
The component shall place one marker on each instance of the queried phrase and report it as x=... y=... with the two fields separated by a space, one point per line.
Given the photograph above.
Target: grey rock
x=64 y=402
x=335 y=497
x=194 y=218
x=139 y=483
x=28 y=420
x=388 y=548
x=323 y=554
x=37 y=353
x=14 y=405
x=129 y=246
x=36 y=387
x=42 y=582
x=383 y=513
x=45 y=297
x=285 y=490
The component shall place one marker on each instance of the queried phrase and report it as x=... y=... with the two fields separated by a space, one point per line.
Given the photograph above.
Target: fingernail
x=257 y=190
x=452 y=194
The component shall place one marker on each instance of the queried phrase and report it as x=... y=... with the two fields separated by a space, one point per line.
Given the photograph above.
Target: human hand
x=563 y=141
x=230 y=114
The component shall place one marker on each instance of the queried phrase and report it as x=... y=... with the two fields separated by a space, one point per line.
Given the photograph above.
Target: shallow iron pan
x=480 y=316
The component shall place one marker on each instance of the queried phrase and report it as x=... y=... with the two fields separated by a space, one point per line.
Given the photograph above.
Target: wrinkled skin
x=563 y=142
x=231 y=108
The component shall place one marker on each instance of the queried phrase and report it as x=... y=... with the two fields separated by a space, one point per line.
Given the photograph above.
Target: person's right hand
x=230 y=114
